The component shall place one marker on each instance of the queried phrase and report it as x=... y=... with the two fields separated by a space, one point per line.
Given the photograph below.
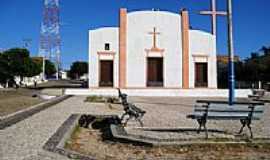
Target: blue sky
x=21 y=19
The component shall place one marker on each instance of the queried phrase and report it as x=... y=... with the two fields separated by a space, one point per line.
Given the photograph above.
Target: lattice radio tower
x=50 y=39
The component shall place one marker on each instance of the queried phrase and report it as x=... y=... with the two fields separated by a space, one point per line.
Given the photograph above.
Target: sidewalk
x=24 y=140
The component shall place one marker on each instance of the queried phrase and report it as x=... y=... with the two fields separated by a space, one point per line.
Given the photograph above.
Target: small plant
x=94 y=99
x=112 y=100
x=101 y=99
x=72 y=136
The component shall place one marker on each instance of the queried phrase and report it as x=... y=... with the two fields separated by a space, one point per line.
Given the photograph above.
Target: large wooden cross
x=214 y=13
x=154 y=33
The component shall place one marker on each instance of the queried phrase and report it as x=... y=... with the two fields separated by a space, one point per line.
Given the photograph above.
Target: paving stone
x=25 y=139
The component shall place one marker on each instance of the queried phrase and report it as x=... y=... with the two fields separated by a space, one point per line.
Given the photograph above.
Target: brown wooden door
x=154 y=72
x=201 y=76
x=106 y=73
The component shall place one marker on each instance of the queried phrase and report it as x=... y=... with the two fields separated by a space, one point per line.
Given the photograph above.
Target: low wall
x=241 y=93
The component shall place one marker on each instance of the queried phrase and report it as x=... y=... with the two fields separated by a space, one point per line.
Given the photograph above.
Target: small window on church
x=107 y=46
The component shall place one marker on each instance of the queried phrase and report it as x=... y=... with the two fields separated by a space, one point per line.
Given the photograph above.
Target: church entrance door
x=155 y=72
x=106 y=73
x=201 y=76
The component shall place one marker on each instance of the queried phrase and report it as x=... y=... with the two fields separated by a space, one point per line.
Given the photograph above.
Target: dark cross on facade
x=154 y=33
x=214 y=13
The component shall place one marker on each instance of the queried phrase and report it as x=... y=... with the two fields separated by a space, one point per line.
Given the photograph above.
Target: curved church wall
x=139 y=46
x=139 y=24
x=97 y=40
x=203 y=49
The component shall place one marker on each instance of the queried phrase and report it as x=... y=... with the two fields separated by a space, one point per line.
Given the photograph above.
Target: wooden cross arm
x=223 y=13
x=153 y=33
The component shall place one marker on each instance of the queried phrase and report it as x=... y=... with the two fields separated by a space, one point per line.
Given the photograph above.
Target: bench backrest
x=122 y=96
x=224 y=111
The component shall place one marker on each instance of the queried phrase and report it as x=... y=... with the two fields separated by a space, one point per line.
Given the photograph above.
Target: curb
x=16 y=117
x=56 y=142
x=120 y=134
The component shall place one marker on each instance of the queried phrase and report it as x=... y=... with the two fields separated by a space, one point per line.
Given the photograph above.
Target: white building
x=63 y=75
x=28 y=81
x=84 y=76
x=152 y=49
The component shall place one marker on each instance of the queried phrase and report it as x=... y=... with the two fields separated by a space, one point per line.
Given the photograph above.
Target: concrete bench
x=245 y=112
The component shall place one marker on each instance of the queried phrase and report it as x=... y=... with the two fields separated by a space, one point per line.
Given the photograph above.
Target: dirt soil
x=92 y=142
x=12 y=100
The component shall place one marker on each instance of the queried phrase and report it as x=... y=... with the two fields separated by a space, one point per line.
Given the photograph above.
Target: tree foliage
x=256 y=67
x=4 y=70
x=253 y=69
x=34 y=68
x=17 y=62
x=78 y=69
x=50 y=69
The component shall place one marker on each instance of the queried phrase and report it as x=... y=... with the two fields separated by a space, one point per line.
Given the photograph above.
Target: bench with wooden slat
x=131 y=110
x=218 y=110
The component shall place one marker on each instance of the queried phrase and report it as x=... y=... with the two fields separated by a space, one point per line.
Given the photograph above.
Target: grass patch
x=101 y=99
x=12 y=100
x=73 y=135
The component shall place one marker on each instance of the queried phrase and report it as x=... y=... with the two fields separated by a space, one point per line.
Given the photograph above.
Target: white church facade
x=152 y=49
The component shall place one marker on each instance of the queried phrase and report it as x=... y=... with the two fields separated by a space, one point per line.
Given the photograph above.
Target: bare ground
x=12 y=100
x=91 y=142
x=170 y=112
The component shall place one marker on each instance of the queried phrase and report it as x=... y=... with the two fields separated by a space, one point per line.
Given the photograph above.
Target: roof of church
x=104 y=28
x=201 y=32
x=153 y=12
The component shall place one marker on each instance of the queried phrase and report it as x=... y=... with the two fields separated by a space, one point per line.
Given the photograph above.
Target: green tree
x=265 y=64
x=50 y=69
x=17 y=62
x=33 y=68
x=5 y=75
x=252 y=70
x=78 y=69
x=36 y=64
x=257 y=65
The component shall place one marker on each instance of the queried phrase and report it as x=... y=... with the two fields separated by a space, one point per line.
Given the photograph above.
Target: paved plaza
x=24 y=140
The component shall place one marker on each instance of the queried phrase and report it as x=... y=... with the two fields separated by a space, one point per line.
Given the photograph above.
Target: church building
x=152 y=49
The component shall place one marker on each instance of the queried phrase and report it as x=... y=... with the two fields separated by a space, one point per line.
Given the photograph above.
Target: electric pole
x=231 y=76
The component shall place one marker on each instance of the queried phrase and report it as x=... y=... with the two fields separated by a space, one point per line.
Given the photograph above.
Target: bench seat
x=223 y=112
x=213 y=110
x=221 y=116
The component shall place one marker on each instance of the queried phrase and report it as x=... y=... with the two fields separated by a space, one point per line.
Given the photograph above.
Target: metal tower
x=50 y=40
